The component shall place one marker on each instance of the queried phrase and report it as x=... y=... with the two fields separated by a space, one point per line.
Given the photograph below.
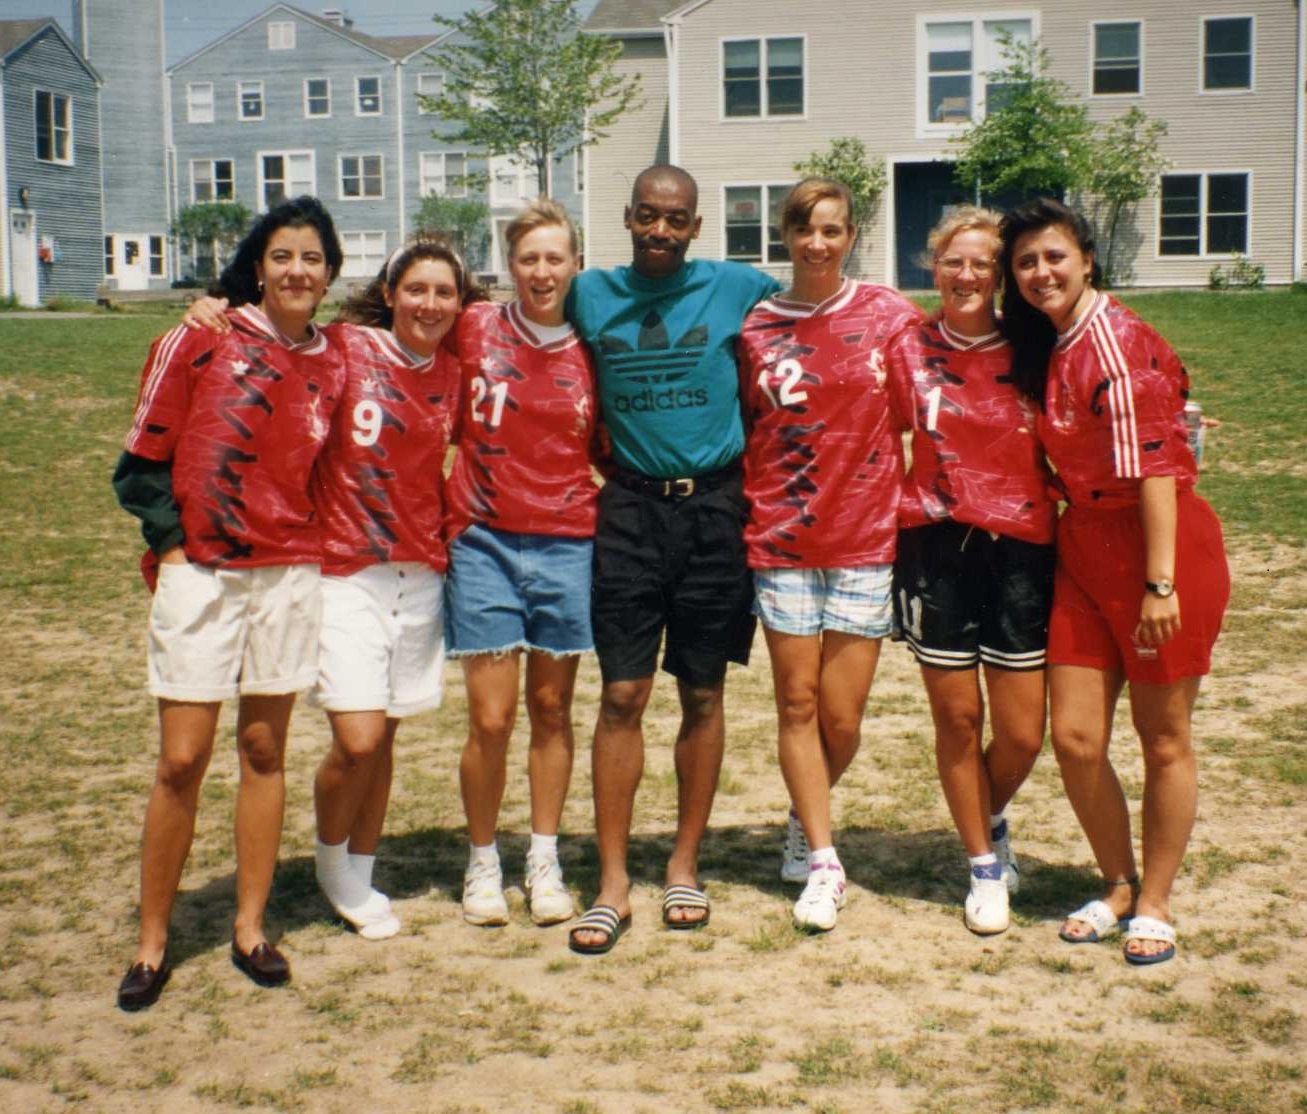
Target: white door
x=131 y=261
x=22 y=250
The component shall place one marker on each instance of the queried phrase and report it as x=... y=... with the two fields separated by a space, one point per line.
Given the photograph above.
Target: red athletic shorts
x=1099 y=587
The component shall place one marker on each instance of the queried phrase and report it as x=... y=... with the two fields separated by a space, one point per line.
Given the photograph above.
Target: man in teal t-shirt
x=669 y=549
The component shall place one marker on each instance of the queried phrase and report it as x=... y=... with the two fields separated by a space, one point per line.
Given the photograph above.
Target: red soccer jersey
x=242 y=419
x=379 y=481
x=524 y=428
x=824 y=459
x=975 y=456
x=1114 y=409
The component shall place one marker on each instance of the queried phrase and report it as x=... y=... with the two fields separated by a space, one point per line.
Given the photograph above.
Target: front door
x=132 y=261
x=22 y=250
x=922 y=191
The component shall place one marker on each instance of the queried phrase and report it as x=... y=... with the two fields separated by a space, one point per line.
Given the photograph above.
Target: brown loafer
x=264 y=964
x=142 y=985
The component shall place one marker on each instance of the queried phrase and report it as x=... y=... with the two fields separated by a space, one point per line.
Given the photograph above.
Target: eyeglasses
x=953 y=265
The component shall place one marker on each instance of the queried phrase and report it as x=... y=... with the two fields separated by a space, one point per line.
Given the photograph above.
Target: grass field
x=898 y=1009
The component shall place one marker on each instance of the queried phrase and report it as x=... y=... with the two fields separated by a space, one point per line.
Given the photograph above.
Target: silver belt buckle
x=682 y=486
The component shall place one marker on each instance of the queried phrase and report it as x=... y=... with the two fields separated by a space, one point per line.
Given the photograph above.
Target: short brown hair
x=541 y=212
x=803 y=198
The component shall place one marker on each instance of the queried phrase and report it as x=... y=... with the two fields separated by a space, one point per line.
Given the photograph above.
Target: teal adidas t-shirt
x=664 y=350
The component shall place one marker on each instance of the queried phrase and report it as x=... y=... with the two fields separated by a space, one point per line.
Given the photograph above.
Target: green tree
x=214 y=228
x=522 y=81
x=1035 y=137
x=1126 y=167
x=466 y=221
x=846 y=160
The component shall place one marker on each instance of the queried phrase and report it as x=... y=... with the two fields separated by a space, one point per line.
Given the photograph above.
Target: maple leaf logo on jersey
x=655 y=359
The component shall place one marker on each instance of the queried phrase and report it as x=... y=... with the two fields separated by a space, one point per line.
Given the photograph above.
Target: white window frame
x=213 y=179
x=764 y=54
x=501 y=184
x=108 y=257
x=55 y=96
x=367 y=269
x=358 y=96
x=1093 y=57
x=426 y=175
x=281 y=35
x=1203 y=253
x=310 y=187
x=194 y=104
x=979 y=66
x=766 y=188
x=317 y=115
x=241 y=88
x=362 y=177
x=1242 y=91
x=417 y=88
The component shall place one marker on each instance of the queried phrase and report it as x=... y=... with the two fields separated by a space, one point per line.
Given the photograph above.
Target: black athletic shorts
x=963 y=596
x=675 y=562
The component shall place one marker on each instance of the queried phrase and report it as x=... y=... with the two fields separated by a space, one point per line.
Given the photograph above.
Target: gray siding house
x=738 y=91
x=290 y=102
x=51 y=232
x=124 y=42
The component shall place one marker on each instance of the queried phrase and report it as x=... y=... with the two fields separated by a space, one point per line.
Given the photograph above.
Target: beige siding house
x=738 y=90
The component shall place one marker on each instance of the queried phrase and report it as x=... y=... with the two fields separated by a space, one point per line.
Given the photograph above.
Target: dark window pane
x=741 y=69
x=785 y=96
x=1229 y=36
x=947 y=61
x=950 y=99
x=1179 y=246
x=1116 y=41
x=744 y=242
x=1227 y=234
x=743 y=98
x=1227 y=73
x=1227 y=193
x=1180 y=193
x=1116 y=79
x=1182 y=228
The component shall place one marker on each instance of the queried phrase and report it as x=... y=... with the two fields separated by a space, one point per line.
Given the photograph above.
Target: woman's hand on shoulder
x=207 y=312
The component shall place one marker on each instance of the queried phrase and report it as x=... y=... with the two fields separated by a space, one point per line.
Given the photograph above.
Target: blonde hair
x=964 y=218
x=541 y=212
x=803 y=198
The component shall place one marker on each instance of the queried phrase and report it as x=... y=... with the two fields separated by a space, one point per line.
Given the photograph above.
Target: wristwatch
x=1161 y=588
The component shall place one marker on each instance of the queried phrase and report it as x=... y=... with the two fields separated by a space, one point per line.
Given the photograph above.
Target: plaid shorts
x=808 y=601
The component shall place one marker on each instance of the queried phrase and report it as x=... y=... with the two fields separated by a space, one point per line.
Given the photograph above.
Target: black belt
x=679 y=487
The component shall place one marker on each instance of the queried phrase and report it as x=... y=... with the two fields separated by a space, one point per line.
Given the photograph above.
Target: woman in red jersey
x=522 y=503
x=217 y=466
x=1142 y=580
x=823 y=468
x=380 y=496
x=973 y=578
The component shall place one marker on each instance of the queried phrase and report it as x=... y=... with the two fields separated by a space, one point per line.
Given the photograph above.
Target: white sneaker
x=483 y=894
x=366 y=909
x=822 y=898
x=985 y=911
x=794 y=859
x=546 y=896
x=1008 y=861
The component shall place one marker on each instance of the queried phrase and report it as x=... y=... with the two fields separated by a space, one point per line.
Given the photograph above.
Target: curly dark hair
x=239 y=282
x=1029 y=331
x=368 y=306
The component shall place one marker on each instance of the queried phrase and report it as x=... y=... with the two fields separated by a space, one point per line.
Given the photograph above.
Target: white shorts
x=215 y=633
x=383 y=640
x=808 y=601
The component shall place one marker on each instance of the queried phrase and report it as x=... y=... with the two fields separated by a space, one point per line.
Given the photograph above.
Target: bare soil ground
x=898 y=1009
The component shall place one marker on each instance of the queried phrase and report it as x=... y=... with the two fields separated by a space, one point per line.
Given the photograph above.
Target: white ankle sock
x=487 y=854
x=362 y=866
x=823 y=856
x=332 y=856
x=543 y=846
x=344 y=889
